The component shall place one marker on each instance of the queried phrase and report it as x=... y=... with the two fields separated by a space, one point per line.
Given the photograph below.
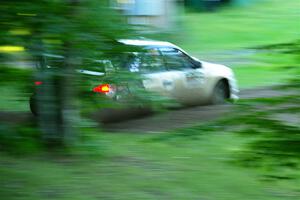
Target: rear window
x=56 y=61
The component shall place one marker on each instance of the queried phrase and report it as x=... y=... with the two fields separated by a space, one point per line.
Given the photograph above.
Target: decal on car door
x=194 y=79
x=168 y=85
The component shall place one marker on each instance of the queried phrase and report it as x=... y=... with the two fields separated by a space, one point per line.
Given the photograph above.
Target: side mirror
x=197 y=64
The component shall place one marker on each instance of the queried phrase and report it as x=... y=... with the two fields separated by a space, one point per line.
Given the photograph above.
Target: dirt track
x=165 y=121
x=187 y=116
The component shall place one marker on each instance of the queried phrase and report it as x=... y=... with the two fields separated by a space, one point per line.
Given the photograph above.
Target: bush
x=19 y=139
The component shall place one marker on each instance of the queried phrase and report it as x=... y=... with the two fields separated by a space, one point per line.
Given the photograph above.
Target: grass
x=266 y=69
x=15 y=88
x=263 y=22
x=142 y=167
x=223 y=37
x=14 y=98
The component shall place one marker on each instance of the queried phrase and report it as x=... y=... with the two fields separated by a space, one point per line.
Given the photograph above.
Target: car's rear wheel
x=221 y=93
x=33 y=106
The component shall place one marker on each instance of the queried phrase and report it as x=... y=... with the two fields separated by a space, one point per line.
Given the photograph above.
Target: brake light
x=103 y=88
x=37 y=83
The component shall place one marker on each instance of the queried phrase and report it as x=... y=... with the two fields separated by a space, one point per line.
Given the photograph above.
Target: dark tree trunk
x=57 y=113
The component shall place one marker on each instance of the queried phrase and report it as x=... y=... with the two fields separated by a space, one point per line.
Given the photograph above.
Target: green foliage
x=16 y=85
x=52 y=22
x=131 y=166
x=20 y=139
x=292 y=48
x=73 y=31
x=14 y=75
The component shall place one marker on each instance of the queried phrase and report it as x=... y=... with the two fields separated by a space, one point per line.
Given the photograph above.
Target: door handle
x=168 y=84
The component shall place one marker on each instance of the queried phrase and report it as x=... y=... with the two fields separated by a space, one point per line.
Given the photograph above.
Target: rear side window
x=134 y=62
x=152 y=61
x=95 y=65
x=176 y=60
x=149 y=61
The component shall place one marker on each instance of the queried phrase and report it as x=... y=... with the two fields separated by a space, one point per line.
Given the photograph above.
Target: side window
x=152 y=61
x=176 y=60
x=134 y=62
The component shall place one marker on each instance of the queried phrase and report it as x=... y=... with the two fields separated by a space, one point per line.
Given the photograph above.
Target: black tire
x=220 y=94
x=33 y=106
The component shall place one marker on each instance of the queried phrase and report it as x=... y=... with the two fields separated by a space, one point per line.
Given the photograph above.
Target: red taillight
x=104 y=88
x=37 y=83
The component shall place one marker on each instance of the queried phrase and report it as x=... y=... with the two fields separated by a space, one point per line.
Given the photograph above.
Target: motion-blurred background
x=248 y=150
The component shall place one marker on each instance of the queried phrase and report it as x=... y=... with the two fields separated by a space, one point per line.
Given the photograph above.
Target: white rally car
x=170 y=71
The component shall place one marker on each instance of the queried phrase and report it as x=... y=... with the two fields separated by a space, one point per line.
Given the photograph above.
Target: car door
x=156 y=76
x=188 y=75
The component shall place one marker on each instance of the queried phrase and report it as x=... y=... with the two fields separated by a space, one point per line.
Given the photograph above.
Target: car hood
x=217 y=69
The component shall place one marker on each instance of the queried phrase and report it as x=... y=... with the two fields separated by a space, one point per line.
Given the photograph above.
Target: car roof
x=147 y=43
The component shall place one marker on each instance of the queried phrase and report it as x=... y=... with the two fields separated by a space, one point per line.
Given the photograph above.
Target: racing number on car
x=193 y=79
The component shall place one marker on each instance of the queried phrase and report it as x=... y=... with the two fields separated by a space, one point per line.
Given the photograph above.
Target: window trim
x=190 y=59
